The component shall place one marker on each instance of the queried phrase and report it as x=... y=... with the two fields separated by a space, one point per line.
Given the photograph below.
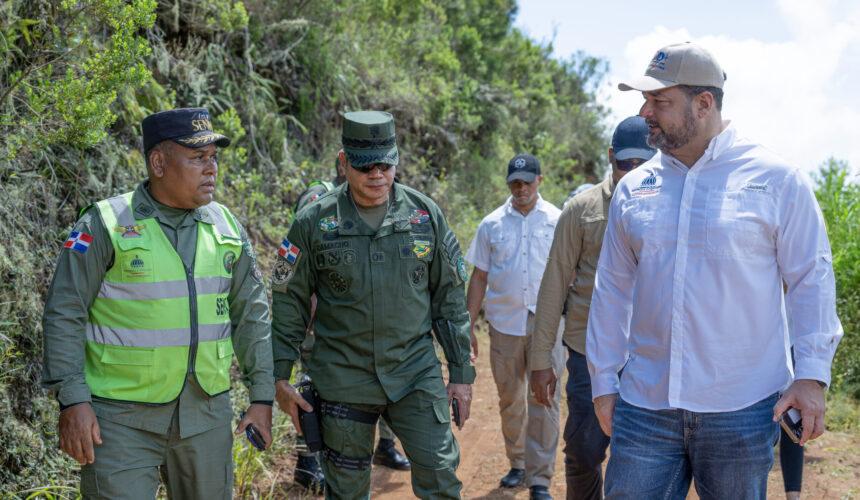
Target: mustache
x=651 y=122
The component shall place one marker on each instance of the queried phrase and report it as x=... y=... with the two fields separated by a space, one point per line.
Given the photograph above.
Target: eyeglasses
x=383 y=167
x=628 y=165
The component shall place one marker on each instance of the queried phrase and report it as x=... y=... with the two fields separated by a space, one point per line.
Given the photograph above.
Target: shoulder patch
x=417 y=216
x=328 y=224
x=461 y=270
x=78 y=241
x=289 y=251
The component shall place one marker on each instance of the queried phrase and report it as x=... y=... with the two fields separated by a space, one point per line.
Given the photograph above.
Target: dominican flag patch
x=289 y=251
x=78 y=241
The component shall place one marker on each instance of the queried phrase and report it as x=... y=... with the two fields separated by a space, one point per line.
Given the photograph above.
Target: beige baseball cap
x=679 y=64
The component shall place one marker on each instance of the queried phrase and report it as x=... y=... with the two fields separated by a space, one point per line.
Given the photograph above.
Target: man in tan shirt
x=574 y=253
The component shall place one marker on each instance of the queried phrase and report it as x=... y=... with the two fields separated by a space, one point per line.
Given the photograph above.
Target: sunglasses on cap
x=383 y=167
x=628 y=165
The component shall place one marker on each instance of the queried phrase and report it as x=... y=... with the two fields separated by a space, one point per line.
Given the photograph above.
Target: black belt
x=340 y=410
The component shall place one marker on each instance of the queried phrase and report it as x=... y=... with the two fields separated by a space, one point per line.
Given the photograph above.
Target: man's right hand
x=289 y=400
x=543 y=385
x=79 y=429
x=604 y=407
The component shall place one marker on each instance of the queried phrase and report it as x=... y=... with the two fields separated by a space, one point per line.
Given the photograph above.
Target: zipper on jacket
x=192 y=302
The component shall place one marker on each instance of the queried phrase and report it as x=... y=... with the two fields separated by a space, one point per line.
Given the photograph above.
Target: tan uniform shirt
x=575 y=248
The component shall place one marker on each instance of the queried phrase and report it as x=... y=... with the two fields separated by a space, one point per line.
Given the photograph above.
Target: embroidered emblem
x=418 y=273
x=520 y=163
x=659 y=61
x=199 y=139
x=338 y=282
x=144 y=210
x=229 y=260
x=421 y=249
x=328 y=224
x=648 y=187
x=758 y=188
x=289 y=251
x=418 y=216
x=282 y=272
x=332 y=258
x=130 y=231
x=349 y=257
x=461 y=270
x=78 y=241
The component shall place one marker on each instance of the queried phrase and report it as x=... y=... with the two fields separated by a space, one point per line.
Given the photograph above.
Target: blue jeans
x=655 y=453
x=584 y=441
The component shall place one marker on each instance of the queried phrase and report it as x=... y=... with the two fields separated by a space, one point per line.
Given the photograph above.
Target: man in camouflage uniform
x=386 y=270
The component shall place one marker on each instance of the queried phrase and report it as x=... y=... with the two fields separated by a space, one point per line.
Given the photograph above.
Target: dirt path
x=832 y=462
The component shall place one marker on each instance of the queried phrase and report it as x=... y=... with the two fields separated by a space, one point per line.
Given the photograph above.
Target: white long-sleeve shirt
x=688 y=297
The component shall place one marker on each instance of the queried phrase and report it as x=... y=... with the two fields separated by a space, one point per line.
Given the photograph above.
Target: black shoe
x=513 y=479
x=539 y=493
x=387 y=455
x=309 y=474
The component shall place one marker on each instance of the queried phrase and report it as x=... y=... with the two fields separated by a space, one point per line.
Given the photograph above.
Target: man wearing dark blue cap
x=154 y=292
x=387 y=271
x=509 y=252
x=575 y=251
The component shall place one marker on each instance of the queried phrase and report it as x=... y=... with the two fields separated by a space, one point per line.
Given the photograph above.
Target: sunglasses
x=628 y=165
x=383 y=167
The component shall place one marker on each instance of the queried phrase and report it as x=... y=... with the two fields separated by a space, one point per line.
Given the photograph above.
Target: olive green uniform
x=189 y=438
x=379 y=295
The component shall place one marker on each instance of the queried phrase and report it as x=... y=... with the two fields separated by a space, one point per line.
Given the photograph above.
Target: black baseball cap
x=524 y=167
x=189 y=127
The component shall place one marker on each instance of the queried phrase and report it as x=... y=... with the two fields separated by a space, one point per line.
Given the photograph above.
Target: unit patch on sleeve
x=289 y=251
x=461 y=270
x=282 y=272
x=78 y=241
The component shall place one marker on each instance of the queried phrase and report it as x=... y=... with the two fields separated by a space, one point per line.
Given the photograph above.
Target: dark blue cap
x=189 y=127
x=630 y=140
x=524 y=167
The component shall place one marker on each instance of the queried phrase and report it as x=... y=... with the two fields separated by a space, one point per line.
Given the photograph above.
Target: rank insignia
x=78 y=241
x=418 y=216
x=421 y=249
x=461 y=270
x=289 y=251
x=328 y=224
x=130 y=231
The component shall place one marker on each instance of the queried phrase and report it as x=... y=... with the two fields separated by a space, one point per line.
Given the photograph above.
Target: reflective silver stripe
x=121 y=210
x=162 y=289
x=220 y=220
x=128 y=337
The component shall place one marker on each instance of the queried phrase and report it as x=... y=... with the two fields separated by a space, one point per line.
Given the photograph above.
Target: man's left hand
x=463 y=393
x=261 y=417
x=807 y=397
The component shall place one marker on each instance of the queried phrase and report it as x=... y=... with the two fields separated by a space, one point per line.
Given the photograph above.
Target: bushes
x=840 y=203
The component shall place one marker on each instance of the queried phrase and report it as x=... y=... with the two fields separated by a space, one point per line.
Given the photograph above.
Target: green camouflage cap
x=368 y=138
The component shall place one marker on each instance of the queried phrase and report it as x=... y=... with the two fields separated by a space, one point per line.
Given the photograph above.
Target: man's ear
x=704 y=104
x=157 y=163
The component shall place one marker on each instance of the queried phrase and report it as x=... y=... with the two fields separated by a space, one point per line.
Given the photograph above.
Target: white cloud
x=798 y=97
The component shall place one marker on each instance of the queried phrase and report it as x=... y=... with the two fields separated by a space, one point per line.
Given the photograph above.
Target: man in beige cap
x=688 y=299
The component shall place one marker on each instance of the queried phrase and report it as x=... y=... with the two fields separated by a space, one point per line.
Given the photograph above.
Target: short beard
x=676 y=138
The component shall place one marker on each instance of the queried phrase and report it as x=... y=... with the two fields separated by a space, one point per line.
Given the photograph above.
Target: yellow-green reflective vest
x=154 y=320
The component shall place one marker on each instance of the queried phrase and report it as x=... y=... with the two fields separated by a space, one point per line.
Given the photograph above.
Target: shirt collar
x=608 y=188
x=510 y=210
x=718 y=145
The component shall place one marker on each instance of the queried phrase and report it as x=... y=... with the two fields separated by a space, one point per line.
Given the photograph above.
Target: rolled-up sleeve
x=611 y=306
x=805 y=261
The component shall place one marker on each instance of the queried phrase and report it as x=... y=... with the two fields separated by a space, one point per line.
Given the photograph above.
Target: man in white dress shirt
x=688 y=299
x=509 y=253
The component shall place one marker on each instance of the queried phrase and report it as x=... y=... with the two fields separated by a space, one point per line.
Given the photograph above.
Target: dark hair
x=694 y=90
x=161 y=146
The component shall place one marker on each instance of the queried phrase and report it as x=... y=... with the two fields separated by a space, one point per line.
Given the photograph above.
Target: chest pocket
x=739 y=225
x=135 y=261
x=651 y=223
x=541 y=240
x=502 y=246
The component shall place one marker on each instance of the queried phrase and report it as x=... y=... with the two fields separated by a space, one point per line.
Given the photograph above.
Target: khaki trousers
x=530 y=429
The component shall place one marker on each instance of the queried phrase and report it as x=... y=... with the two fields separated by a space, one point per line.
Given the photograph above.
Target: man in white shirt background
x=509 y=252
x=688 y=299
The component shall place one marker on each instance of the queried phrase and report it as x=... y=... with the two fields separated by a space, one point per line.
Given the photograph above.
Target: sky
x=793 y=66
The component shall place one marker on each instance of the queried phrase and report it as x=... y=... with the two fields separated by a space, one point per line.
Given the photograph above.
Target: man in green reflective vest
x=387 y=270
x=154 y=292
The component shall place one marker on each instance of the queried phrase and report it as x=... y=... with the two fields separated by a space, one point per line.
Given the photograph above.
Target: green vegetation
x=467 y=89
